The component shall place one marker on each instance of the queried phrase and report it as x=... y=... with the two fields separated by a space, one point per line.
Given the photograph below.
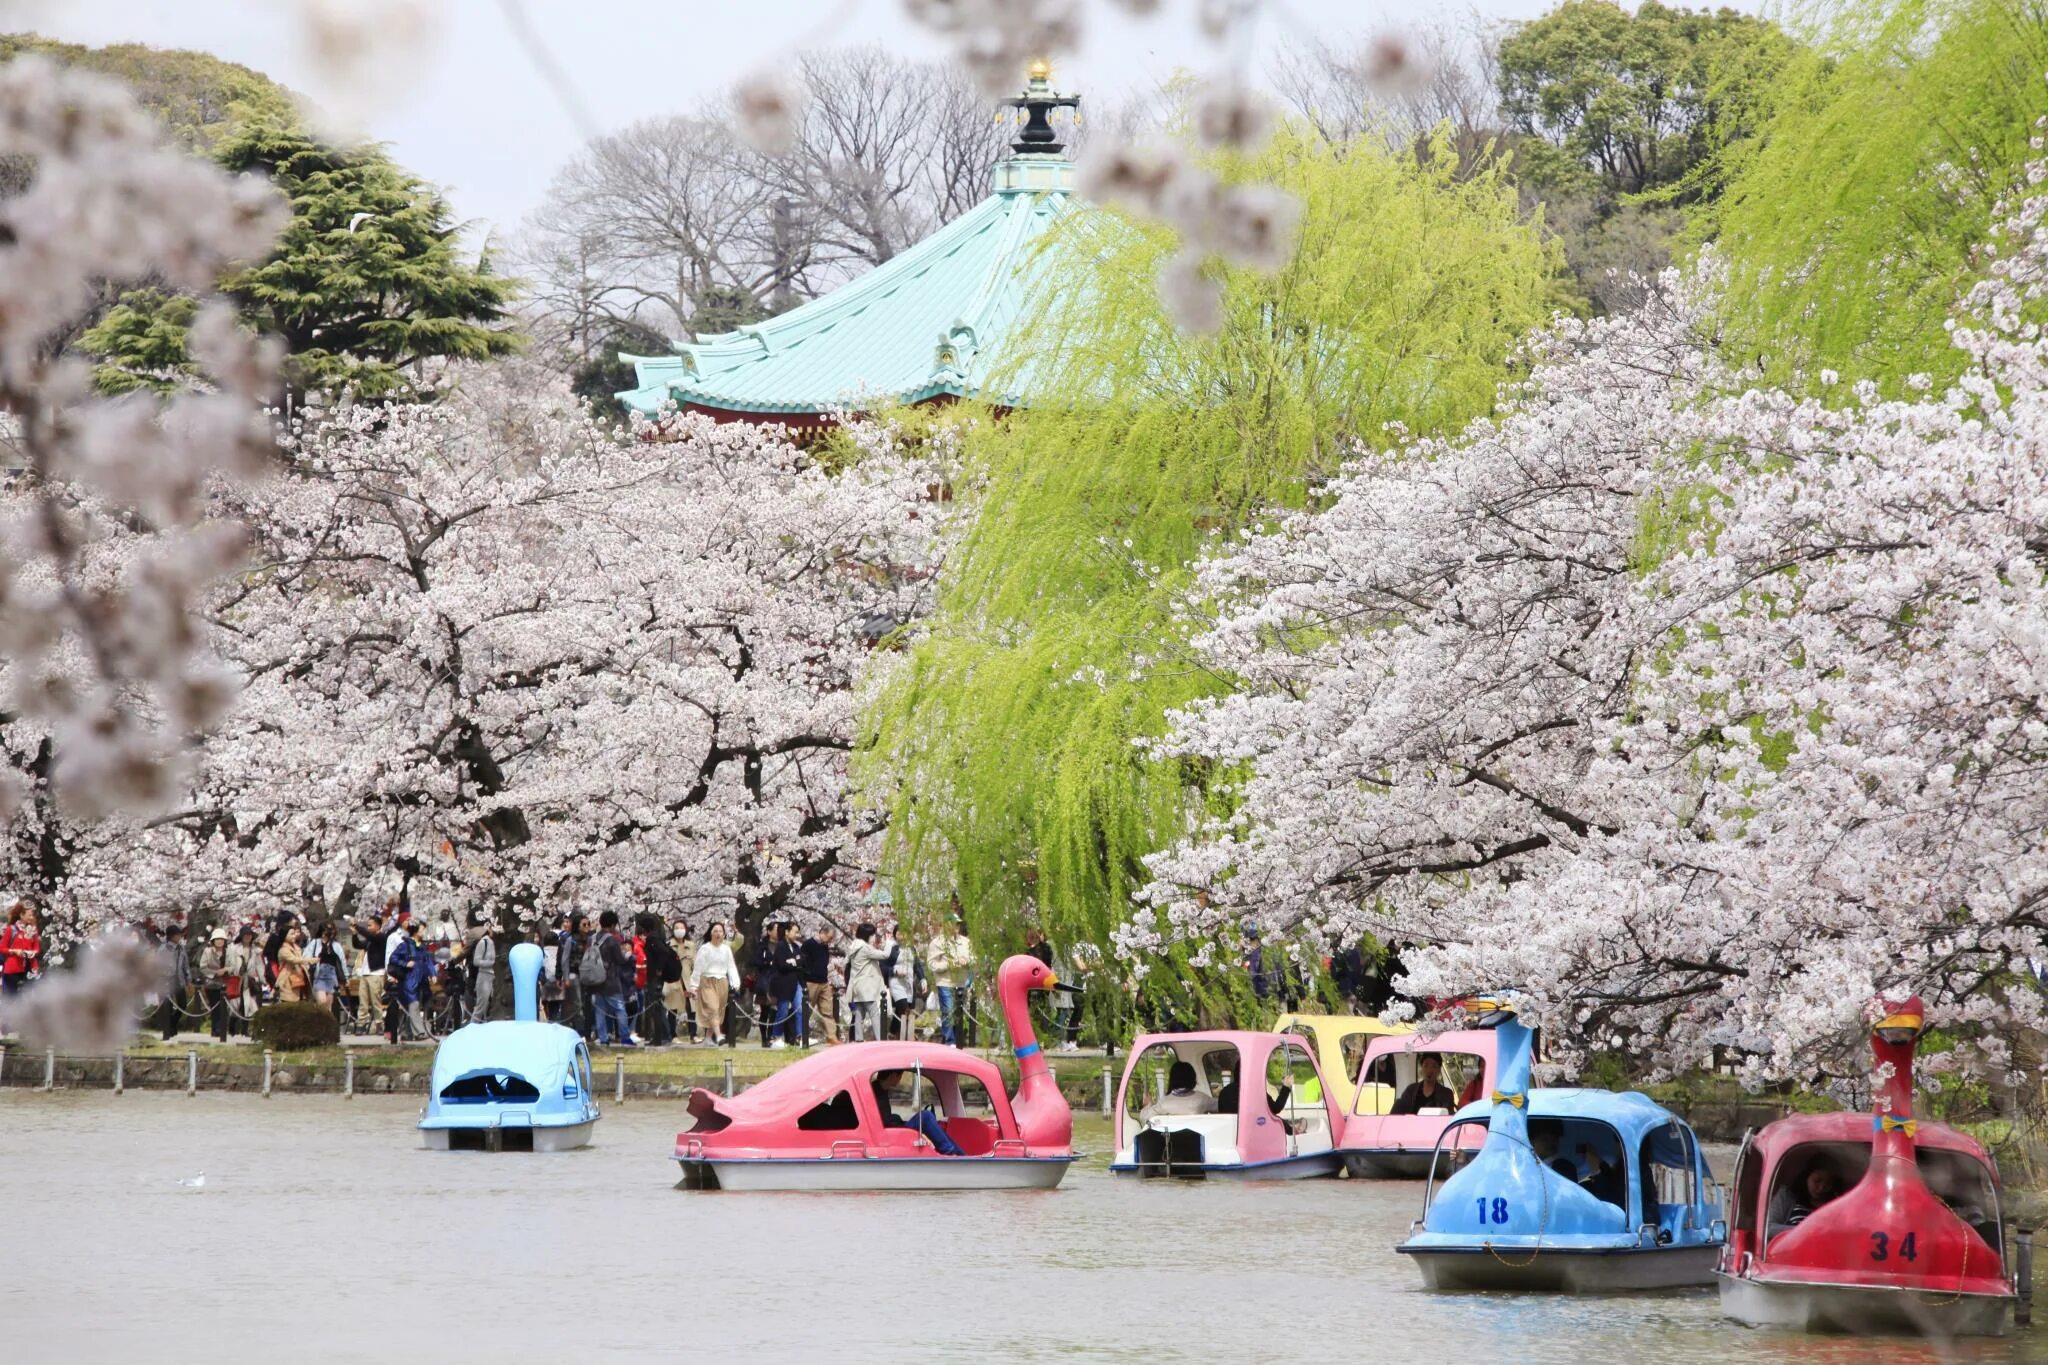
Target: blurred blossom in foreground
x=105 y=535
x=1226 y=115
x=1394 y=66
x=367 y=53
x=1192 y=299
x=92 y=1008
x=994 y=40
x=1246 y=225
x=769 y=111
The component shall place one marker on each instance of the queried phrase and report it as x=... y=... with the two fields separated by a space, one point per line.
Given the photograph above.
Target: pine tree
x=364 y=283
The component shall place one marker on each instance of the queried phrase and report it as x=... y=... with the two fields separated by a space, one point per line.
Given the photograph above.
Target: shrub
x=290 y=1025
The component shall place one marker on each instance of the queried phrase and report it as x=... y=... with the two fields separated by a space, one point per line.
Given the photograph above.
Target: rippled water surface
x=322 y=1232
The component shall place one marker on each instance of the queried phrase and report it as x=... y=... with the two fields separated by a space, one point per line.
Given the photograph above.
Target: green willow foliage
x=1007 y=744
x=1851 y=224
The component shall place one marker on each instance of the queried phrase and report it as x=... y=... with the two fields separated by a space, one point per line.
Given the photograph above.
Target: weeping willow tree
x=1851 y=224
x=1009 y=742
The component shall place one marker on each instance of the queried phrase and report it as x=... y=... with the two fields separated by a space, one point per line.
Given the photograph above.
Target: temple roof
x=928 y=323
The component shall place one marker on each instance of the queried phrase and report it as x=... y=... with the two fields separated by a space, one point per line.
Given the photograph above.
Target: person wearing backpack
x=604 y=972
x=211 y=973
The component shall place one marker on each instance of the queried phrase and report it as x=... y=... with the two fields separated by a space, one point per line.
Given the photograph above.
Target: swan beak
x=1051 y=982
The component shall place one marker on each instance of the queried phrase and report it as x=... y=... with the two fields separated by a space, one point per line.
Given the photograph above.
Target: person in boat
x=1227 y=1097
x=1544 y=1137
x=925 y=1120
x=1428 y=1091
x=1606 y=1178
x=1818 y=1186
x=1181 y=1096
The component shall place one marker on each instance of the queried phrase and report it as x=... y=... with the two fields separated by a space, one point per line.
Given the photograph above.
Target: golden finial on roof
x=1039 y=70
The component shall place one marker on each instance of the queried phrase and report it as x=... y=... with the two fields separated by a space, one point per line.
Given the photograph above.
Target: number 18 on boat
x=1571 y=1190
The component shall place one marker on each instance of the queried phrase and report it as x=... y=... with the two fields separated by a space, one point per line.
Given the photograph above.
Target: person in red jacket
x=21 y=948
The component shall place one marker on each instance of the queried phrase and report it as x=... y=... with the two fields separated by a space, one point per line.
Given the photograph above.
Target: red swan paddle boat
x=1914 y=1244
x=891 y=1116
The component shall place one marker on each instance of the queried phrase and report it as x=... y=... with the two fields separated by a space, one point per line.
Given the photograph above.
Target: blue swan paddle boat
x=513 y=1084
x=1571 y=1190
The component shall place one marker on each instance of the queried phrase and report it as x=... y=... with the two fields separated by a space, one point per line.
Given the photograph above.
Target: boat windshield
x=1455 y=1148
x=1295 y=1090
x=951 y=1109
x=1183 y=1078
x=500 y=1087
x=1584 y=1151
x=1964 y=1183
x=1809 y=1175
x=1671 y=1176
x=1393 y=1076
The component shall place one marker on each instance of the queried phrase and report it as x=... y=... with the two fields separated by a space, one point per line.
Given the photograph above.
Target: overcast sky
x=465 y=106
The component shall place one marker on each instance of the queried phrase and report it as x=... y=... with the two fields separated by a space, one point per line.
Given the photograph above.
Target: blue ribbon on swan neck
x=1028 y=1050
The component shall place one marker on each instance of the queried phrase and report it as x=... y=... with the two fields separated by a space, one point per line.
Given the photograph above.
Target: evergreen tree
x=721 y=308
x=364 y=283
x=605 y=374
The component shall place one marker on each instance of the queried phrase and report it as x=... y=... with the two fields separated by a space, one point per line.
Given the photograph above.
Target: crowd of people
x=648 y=982
x=655 y=981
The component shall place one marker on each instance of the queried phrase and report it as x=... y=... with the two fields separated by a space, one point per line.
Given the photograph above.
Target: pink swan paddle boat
x=1238 y=1114
x=1379 y=1144
x=891 y=1116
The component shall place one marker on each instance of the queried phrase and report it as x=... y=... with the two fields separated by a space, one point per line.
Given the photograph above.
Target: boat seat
x=976 y=1137
x=1374 y=1098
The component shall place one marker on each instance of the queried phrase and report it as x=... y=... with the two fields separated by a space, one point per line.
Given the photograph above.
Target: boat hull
x=1386 y=1163
x=561 y=1137
x=1563 y=1271
x=1318 y=1166
x=1861 y=1309
x=874 y=1173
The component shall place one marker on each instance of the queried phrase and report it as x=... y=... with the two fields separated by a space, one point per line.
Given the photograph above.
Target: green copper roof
x=931 y=321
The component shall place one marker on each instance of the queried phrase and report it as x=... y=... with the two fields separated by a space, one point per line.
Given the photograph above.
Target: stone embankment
x=245 y=1069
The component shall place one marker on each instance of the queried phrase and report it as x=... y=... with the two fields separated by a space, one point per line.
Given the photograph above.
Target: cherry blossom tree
x=1702 y=713
x=516 y=658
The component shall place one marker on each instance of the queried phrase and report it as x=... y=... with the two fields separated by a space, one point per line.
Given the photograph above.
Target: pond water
x=322 y=1232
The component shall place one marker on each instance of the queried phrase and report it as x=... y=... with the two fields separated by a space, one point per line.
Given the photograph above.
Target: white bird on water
x=197 y=1182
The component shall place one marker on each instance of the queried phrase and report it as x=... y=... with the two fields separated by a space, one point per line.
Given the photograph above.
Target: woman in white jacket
x=864 y=985
x=714 y=976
